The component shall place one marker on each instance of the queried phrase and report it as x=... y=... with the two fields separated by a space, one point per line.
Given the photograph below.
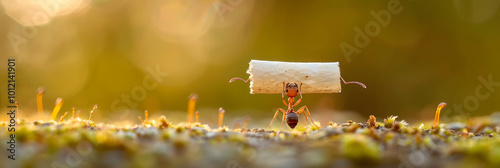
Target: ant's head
x=292 y=119
x=291 y=89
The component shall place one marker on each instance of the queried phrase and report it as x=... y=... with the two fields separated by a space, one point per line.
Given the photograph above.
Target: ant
x=291 y=90
x=292 y=117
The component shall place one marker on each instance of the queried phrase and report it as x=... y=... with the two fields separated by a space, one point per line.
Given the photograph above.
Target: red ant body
x=292 y=90
x=292 y=117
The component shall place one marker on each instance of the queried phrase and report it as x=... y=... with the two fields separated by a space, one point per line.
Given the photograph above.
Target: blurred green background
x=96 y=51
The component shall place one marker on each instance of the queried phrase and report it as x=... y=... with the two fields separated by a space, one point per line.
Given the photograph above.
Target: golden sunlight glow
x=40 y=12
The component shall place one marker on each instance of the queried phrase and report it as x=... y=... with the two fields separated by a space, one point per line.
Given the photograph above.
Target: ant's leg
x=300 y=92
x=283 y=95
x=279 y=109
x=306 y=110
x=301 y=110
x=275 y=114
x=283 y=121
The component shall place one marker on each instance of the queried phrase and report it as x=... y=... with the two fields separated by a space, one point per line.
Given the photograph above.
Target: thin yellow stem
x=59 y=102
x=39 y=100
x=245 y=122
x=62 y=117
x=191 y=106
x=221 y=116
x=438 y=111
x=92 y=112
x=197 y=116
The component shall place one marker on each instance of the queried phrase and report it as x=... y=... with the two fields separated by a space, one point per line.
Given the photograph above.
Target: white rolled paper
x=267 y=77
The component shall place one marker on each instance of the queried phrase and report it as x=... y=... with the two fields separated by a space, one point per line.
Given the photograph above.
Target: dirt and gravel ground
x=158 y=143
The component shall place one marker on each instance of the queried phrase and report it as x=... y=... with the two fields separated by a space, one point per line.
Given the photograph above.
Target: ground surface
x=155 y=143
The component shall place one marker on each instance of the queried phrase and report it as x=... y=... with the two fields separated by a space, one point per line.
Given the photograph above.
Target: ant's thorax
x=291 y=101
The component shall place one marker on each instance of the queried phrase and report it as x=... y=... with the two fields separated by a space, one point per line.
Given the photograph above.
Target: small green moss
x=494 y=154
x=389 y=137
x=180 y=129
x=313 y=127
x=163 y=123
x=427 y=142
x=488 y=130
x=388 y=123
x=359 y=148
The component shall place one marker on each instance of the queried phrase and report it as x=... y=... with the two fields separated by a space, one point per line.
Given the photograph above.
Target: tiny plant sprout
x=245 y=122
x=438 y=110
x=388 y=123
x=92 y=112
x=396 y=126
x=78 y=113
x=163 y=122
x=221 y=116
x=73 y=116
x=140 y=119
x=62 y=117
x=197 y=116
x=237 y=123
x=59 y=102
x=191 y=104
x=372 y=121
x=146 y=115
x=39 y=101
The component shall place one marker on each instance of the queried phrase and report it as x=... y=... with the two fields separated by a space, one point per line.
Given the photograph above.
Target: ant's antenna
x=353 y=82
x=236 y=78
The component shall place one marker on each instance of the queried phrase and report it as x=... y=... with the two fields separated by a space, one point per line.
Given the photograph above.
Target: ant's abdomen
x=292 y=119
